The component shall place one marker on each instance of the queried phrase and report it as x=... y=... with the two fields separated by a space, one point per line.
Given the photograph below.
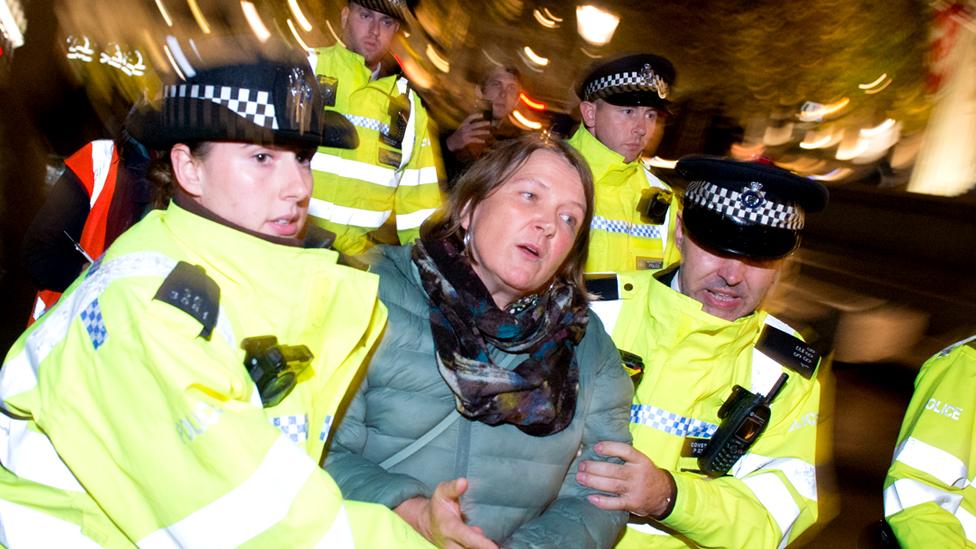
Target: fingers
x=609 y=484
x=620 y=450
x=608 y=503
x=467 y=536
x=451 y=489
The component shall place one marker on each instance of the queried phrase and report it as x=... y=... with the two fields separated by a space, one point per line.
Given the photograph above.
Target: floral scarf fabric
x=539 y=395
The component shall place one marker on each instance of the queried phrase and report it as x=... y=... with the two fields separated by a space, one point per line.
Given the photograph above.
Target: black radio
x=744 y=417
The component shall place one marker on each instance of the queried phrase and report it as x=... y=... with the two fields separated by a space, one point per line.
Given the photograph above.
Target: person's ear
x=343 y=16
x=588 y=113
x=465 y=217
x=186 y=170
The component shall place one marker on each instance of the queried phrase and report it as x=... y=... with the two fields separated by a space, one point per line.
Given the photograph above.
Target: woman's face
x=262 y=188
x=523 y=231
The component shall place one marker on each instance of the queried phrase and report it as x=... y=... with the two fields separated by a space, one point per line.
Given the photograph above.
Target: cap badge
x=654 y=80
x=753 y=197
x=299 y=99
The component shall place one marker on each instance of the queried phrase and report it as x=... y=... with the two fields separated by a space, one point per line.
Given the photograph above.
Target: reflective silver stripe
x=608 y=312
x=413 y=220
x=343 y=215
x=623 y=227
x=101 y=162
x=20 y=373
x=802 y=475
x=257 y=504
x=776 y=498
x=942 y=465
x=670 y=422
x=25 y=527
x=353 y=169
x=907 y=493
x=647 y=529
x=340 y=532
x=413 y=177
x=30 y=455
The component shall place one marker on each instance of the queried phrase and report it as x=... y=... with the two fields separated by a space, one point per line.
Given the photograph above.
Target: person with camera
x=497 y=96
x=180 y=392
x=724 y=417
x=623 y=106
x=383 y=190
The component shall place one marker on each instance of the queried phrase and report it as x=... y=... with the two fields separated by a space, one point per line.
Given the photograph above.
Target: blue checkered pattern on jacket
x=92 y=319
x=669 y=422
x=623 y=227
x=326 y=426
x=294 y=427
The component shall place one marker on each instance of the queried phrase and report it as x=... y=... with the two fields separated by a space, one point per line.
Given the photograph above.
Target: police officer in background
x=623 y=106
x=181 y=391
x=929 y=500
x=392 y=176
x=714 y=465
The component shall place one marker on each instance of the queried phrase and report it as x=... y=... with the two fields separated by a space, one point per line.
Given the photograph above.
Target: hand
x=473 y=131
x=439 y=518
x=641 y=487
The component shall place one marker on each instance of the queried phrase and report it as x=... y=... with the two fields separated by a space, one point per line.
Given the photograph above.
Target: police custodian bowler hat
x=746 y=209
x=259 y=101
x=394 y=8
x=635 y=80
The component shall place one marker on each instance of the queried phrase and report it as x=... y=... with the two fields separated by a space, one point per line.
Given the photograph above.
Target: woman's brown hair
x=490 y=172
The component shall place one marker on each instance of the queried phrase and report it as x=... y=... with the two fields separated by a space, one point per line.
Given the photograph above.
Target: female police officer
x=130 y=414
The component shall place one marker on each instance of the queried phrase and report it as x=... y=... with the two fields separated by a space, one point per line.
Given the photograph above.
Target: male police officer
x=623 y=106
x=393 y=171
x=929 y=499
x=700 y=331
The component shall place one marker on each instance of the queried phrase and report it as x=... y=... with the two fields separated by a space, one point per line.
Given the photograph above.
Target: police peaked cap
x=744 y=208
x=274 y=102
x=635 y=80
x=394 y=8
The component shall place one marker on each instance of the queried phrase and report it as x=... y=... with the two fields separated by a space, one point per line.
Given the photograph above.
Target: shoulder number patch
x=189 y=289
x=788 y=350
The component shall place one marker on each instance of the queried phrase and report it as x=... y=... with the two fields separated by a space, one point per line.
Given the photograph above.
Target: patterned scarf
x=539 y=395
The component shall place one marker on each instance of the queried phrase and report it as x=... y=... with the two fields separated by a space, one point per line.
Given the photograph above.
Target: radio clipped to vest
x=274 y=367
x=744 y=417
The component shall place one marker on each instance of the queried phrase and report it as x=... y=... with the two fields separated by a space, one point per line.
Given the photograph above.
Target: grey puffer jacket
x=522 y=489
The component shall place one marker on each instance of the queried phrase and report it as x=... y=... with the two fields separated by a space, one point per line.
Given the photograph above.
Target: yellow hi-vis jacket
x=929 y=499
x=130 y=418
x=619 y=239
x=357 y=190
x=692 y=360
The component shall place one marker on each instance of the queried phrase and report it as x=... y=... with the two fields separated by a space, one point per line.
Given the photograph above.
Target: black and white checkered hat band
x=626 y=82
x=749 y=206
x=253 y=105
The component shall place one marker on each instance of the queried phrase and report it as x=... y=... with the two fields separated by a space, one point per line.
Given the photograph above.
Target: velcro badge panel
x=788 y=350
x=189 y=289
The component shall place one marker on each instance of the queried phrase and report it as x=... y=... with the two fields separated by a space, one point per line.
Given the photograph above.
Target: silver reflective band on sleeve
x=25 y=527
x=647 y=529
x=20 y=372
x=353 y=169
x=342 y=215
x=906 y=493
x=608 y=312
x=339 y=534
x=942 y=465
x=257 y=504
x=413 y=177
x=413 y=220
x=802 y=475
x=776 y=498
x=30 y=455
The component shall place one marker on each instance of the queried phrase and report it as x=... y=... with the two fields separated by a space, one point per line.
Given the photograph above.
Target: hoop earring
x=467 y=239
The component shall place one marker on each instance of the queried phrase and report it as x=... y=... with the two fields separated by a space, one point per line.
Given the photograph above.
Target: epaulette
x=191 y=290
x=788 y=350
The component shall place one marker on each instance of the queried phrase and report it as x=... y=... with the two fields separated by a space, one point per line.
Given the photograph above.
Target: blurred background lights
x=13 y=24
x=296 y=12
x=437 y=59
x=164 y=13
x=520 y=120
x=596 y=25
x=254 y=20
x=531 y=103
x=80 y=49
x=296 y=36
x=534 y=57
